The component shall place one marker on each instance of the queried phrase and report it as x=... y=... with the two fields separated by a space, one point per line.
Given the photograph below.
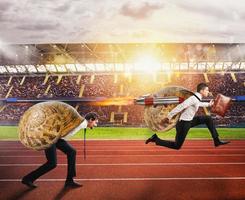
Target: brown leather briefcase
x=221 y=105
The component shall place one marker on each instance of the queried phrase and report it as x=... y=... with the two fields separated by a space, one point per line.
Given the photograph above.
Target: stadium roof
x=82 y=57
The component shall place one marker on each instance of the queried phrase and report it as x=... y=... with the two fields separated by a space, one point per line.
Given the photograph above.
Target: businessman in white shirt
x=91 y=120
x=187 y=119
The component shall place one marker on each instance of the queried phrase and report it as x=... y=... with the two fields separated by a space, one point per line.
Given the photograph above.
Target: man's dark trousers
x=51 y=163
x=182 y=128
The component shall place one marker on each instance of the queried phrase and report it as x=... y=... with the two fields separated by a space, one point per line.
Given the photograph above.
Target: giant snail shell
x=153 y=115
x=44 y=123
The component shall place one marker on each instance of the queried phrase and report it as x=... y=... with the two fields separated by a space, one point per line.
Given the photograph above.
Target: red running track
x=130 y=170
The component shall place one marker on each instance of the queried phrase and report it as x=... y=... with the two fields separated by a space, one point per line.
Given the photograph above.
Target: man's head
x=202 y=88
x=92 y=119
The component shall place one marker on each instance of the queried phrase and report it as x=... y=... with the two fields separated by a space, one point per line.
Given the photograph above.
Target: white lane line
x=132 y=140
x=132 y=155
x=125 y=149
x=133 y=150
x=130 y=164
x=134 y=146
x=135 y=179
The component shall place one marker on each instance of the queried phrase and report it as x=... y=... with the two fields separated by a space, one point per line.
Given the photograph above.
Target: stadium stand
x=101 y=85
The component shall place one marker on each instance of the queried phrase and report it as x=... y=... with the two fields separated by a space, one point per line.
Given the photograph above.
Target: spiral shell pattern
x=44 y=123
x=153 y=115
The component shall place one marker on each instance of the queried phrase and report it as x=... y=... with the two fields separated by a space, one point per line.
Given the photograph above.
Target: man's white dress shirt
x=83 y=125
x=189 y=108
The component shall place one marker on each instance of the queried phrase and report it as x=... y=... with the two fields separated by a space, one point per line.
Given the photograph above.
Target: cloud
x=124 y=21
x=39 y=26
x=141 y=11
x=205 y=10
x=4 y=9
x=4 y=6
x=228 y=11
x=63 y=8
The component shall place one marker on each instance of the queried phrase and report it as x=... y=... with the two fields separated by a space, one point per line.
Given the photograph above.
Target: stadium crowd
x=101 y=85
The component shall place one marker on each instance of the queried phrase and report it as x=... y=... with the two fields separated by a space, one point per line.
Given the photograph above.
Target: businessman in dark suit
x=90 y=120
x=188 y=109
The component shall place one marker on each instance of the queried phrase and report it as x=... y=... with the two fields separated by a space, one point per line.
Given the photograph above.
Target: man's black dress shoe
x=219 y=142
x=72 y=184
x=151 y=139
x=28 y=183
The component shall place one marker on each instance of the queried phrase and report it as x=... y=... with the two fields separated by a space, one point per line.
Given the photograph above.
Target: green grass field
x=11 y=133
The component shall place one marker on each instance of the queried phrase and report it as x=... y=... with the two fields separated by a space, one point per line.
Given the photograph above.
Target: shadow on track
x=63 y=192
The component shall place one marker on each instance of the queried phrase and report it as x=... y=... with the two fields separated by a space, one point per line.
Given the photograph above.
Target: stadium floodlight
x=202 y=66
x=183 y=66
x=227 y=65
x=11 y=69
x=51 y=68
x=235 y=66
x=31 y=68
x=99 y=67
x=219 y=66
x=242 y=66
x=166 y=66
x=21 y=68
x=41 y=68
x=90 y=67
x=147 y=63
x=81 y=68
x=3 y=69
x=61 y=68
x=192 y=65
x=109 y=67
x=71 y=67
x=119 y=67
x=211 y=65
x=127 y=67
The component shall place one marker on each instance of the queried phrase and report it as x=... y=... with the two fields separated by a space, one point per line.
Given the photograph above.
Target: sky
x=124 y=21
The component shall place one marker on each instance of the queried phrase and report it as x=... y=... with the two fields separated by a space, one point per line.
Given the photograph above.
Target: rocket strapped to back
x=149 y=100
x=146 y=100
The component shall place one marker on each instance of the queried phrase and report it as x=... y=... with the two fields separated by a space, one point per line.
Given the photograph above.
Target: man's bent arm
x=204 y=104
x=188 y=102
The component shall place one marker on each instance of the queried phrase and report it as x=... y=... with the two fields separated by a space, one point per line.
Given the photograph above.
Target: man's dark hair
x=201 y=86
x=91 y=115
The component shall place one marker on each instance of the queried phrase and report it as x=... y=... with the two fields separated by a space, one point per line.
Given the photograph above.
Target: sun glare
x=147 y=63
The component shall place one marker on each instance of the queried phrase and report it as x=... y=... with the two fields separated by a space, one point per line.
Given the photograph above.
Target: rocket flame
x=117 y=101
